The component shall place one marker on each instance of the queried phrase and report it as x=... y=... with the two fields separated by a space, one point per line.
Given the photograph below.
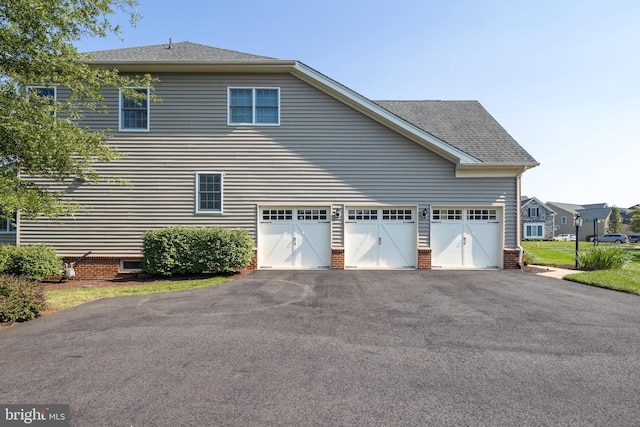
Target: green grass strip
x=66 y=298
x=624 y=279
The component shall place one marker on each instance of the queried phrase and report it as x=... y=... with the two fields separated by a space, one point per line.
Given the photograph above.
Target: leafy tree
x=40 y=137
x=615 y=221
x=634 y=224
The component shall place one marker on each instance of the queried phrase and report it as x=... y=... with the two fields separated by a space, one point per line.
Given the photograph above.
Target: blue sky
x=562 y=77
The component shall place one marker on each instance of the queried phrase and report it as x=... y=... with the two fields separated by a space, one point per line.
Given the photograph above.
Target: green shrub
x=4 y=256
x=604 y=258
x=187 y=250
x=34 y=262
x=20 y=299
x=528 y=258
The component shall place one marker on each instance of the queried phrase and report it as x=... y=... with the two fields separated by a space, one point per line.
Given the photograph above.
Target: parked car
x=634 y=238
x=566 y=237
x=613 y=238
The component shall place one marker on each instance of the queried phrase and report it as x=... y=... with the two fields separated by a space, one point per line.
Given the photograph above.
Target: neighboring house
x=321 y=176
x=595 y=218
x=538 y=220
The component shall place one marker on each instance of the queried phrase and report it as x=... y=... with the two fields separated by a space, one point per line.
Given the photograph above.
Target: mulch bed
x=50 y=285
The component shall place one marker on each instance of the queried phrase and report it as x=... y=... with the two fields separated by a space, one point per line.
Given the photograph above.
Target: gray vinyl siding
x=322 y=153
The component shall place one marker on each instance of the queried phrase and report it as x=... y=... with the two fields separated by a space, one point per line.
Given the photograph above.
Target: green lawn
x=66 y=298
x=562 y=254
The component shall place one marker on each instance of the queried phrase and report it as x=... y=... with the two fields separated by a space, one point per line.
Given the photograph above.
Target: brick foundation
x=253 y=264
x=424 y=259
x=99 y=267
x=109 y=267
x=511 y=259
x=337 y=259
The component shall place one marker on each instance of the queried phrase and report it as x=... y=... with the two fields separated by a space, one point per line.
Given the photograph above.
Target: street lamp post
x=578 y=221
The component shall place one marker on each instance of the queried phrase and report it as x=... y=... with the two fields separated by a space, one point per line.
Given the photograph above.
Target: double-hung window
x=208 y=192
x=254 y=106
x=534 y=212
x=44 y=92
x=134 y=112
x=7 y=226
x=534 y=231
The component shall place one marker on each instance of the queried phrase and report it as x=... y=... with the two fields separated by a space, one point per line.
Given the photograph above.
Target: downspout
x=519 y=220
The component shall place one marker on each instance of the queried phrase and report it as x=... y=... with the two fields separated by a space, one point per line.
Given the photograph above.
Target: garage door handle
x=294 y=241
x=464 y=240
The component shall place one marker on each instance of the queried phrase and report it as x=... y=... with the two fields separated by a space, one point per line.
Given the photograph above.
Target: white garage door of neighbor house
x=380 y=238
x=294 y=238
x=466 y=238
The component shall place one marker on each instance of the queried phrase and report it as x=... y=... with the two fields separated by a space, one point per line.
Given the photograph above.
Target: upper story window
x=563 y=220
x=534 y=213
x=254 y=106
x=208 y=192
x=43 y=92
x=134 y=113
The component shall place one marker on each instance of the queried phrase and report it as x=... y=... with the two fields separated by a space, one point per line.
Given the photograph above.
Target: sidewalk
x=556 y=272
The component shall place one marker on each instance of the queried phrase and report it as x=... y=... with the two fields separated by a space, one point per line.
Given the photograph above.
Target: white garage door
x=466 y=238
x=380 y=238
x=294 y=238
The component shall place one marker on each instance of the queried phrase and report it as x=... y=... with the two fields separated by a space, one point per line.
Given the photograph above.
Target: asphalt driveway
x=339 y=348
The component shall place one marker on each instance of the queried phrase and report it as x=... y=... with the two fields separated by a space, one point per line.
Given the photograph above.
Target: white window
x=130 y=265
x=534 y=231
x=43 y=92
x=7 y=226
x=134 y=113
x=254 y=106
x=563 y=220
x=208 y=192
x=534 y=213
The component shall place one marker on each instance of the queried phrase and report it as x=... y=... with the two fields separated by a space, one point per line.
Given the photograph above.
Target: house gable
x=463 y=132
x=538 y=220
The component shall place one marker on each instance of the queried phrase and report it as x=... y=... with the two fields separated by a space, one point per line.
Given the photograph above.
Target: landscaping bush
x=527 y=258
x=604 y=258
x=183 y=250
x=34 y=262
x=20 y=299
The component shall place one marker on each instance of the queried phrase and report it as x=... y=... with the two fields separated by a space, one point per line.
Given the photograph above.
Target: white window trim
x=129 y=270
x=563 y=221
x=536 y=211
x=120 y=128
x=7 y=226
x=533 y=224
x=55 y=89
x=197 y=194
x=55 y=92
x=253 y=106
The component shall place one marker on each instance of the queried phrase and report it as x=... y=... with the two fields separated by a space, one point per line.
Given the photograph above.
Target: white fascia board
x=373 y=110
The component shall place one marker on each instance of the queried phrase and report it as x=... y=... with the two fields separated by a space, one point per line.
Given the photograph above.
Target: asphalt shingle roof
x=465 y=125
x=184 y=52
